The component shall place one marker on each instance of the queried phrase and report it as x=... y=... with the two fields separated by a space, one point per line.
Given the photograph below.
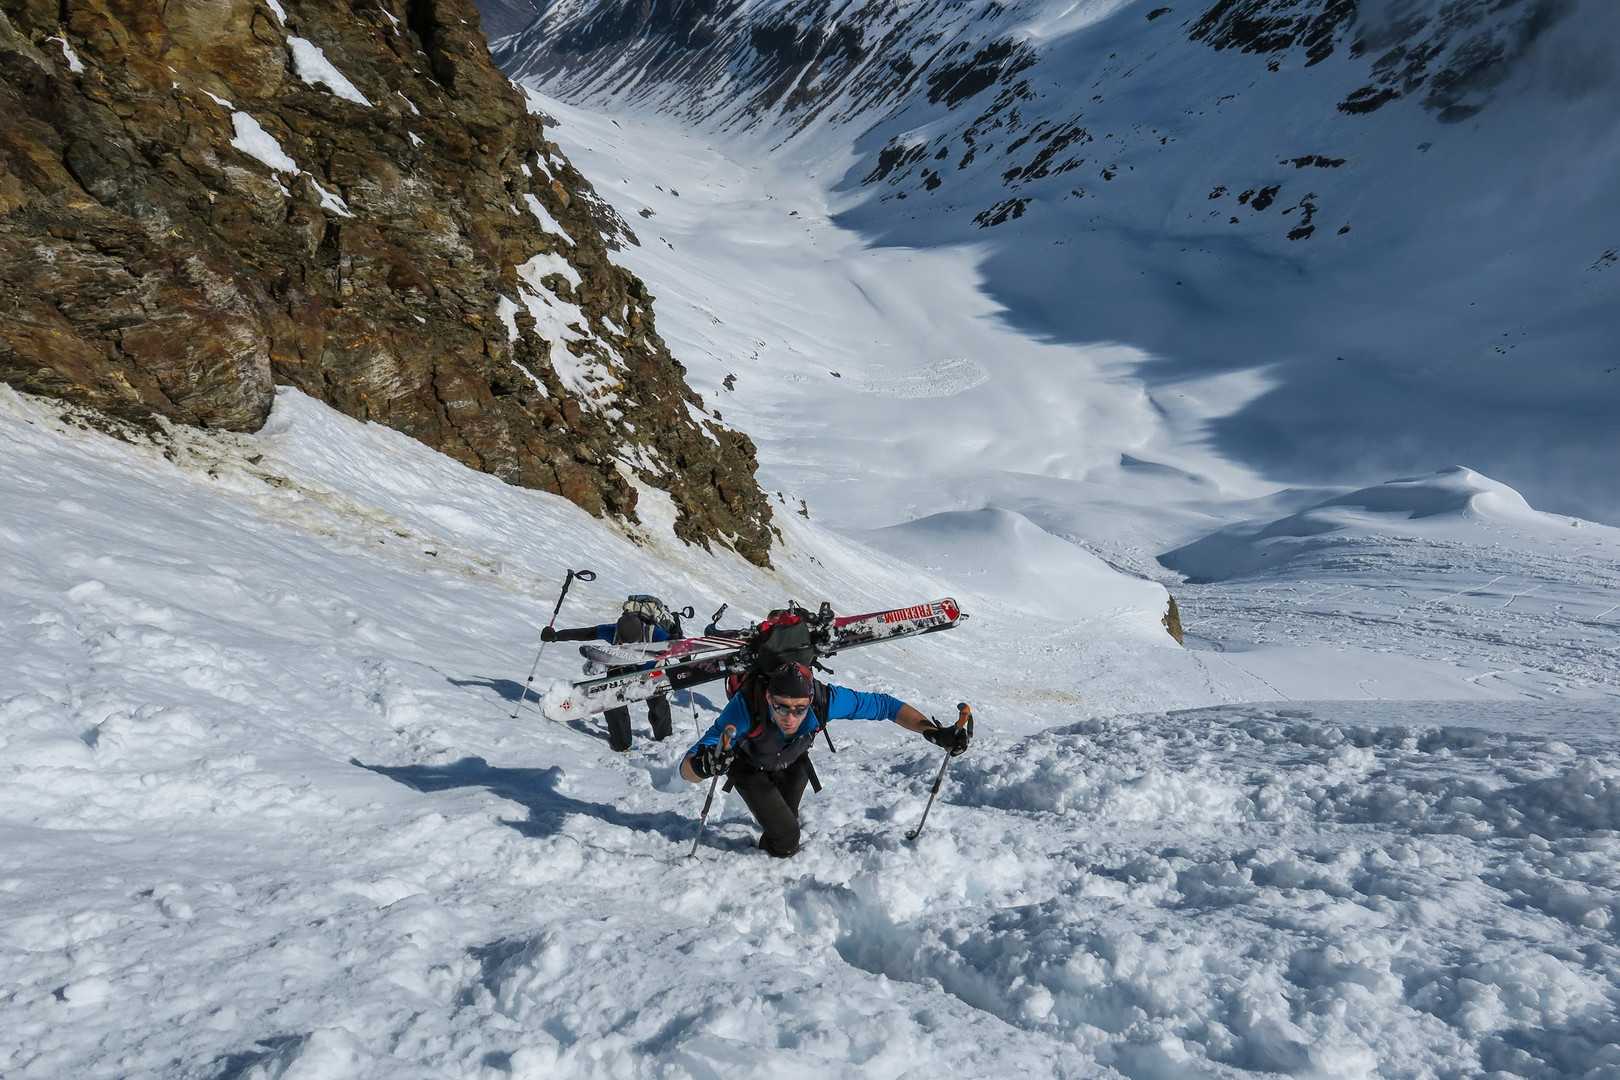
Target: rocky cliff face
x=202 y=199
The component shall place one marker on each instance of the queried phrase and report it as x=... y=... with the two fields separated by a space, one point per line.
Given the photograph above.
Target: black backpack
x=787 y=637
x=783 y=640
x=653 y=612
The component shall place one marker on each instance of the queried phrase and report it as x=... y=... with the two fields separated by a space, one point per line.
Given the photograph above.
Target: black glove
x=712 y=761
x=548 y=634
x=953 y=739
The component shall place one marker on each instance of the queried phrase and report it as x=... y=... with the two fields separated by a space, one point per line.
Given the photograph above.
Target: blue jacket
x=607 y=631
x=842 y=704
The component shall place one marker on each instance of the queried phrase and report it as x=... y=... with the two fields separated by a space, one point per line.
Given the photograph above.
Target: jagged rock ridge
x=198 y=202
x=745 y=63
x=793 y=62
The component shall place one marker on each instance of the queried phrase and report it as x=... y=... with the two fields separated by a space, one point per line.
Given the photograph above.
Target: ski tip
x=561 y=706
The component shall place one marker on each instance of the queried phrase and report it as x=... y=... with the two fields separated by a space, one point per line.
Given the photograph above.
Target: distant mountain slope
x=502 y=17
x=200 y=201
x=1410 y=197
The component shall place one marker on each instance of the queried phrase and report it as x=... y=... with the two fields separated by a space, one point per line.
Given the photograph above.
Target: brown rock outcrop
x=205 y=198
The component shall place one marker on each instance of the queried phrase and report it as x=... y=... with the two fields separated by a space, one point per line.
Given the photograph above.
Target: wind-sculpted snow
x=1224 y=892
x=1451 y=504
x=1355 y=952
x=1450 y=568
x=1036 y=573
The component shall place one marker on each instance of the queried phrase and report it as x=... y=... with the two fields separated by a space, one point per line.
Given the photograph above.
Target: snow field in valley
x=881 y=385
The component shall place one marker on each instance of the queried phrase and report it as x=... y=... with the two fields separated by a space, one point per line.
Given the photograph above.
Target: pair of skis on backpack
x=660 y=667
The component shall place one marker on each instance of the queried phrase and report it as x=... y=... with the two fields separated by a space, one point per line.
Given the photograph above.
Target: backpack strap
x=753 y=692
x=821 y=702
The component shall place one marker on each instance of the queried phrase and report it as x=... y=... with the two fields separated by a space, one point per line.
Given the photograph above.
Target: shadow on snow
x=534 y=789
x=513 y=691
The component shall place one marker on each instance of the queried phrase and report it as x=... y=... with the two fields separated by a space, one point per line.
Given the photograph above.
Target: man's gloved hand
x=953 y=739
x=712 y=761
x=548 y=634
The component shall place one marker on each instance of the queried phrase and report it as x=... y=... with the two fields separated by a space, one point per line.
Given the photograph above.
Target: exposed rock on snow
x=198 y=202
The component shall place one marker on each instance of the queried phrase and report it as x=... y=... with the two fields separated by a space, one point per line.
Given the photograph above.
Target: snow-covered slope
x=265 y=813
x=1407 y=202
x=1407 y=568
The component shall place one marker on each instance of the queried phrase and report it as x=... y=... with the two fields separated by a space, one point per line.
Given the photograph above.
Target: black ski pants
x=630 y=628
x=773 y=798
x=618 y=722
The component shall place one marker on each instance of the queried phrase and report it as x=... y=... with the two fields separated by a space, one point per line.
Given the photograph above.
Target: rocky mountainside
x=1411 y=195
x=796 y=59
x=201 y=201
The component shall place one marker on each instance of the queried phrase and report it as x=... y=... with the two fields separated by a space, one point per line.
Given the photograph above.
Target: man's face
x=788 y=712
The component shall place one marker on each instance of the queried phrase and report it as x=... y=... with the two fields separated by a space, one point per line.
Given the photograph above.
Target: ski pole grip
x=964 y=715
x=726 y=737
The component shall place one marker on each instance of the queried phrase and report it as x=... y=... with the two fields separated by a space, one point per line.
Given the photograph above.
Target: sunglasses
x=789 y=710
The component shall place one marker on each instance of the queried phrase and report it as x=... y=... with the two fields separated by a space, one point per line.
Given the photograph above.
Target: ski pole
x=583 y=575
x=964 y=717
x=725 y=744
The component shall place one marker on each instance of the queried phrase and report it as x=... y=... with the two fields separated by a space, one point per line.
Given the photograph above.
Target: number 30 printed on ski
x=695 y=661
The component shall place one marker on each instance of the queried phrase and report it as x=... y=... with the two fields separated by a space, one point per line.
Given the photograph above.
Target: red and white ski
x=695 y=661
x=603 y=656
x=852 y=630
